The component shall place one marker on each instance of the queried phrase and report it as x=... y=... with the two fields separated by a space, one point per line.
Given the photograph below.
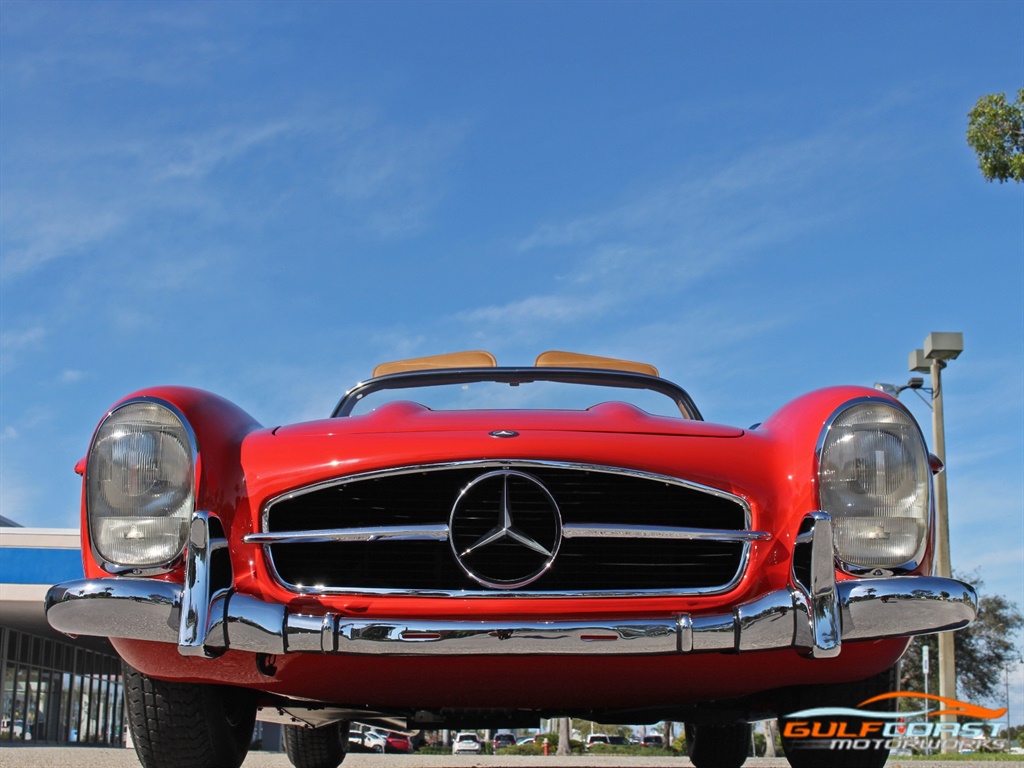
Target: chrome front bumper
x=814 y=618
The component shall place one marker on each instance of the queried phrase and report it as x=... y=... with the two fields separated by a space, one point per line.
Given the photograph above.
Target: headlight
x=874 y=480
x=140 y=485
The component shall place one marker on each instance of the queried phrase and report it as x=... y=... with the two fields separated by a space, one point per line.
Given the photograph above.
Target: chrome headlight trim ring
x=191 y=445
x=915 y=561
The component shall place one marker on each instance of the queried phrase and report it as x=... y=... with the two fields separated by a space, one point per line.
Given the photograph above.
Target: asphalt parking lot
x=92 y=757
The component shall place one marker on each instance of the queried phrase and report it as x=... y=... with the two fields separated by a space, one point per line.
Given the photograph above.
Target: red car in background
x=462 y=545
x=397 y=743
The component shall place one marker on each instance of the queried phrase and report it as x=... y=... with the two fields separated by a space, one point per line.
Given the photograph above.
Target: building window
x=56 y=692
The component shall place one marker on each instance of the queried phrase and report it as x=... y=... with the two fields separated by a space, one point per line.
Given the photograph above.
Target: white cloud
x=41 y=231
x=99 y=42
x=195 y=156
x=395 y=177
x=665 y=240
x=716 y=210
x=538 y=310
x=15 y=345
x=14 y=340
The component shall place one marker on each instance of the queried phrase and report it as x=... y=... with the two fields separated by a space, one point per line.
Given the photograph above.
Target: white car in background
x=466 y=743
x=365 y=738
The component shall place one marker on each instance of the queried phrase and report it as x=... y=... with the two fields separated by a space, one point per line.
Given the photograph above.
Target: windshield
x=519 y=388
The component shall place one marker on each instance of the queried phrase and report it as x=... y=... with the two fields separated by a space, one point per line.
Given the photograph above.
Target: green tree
x=982 y=650
x=996 y=134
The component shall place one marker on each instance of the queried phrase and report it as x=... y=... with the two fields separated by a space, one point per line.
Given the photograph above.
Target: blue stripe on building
x=23 y=565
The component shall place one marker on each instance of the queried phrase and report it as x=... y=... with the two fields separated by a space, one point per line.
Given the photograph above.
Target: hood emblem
x=504 y=433
x=505 y=529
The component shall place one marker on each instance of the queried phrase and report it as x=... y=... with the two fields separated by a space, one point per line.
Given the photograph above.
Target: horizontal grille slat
x=426 y=496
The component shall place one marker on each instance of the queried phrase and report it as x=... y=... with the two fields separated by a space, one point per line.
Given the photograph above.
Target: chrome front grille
x=512 y=528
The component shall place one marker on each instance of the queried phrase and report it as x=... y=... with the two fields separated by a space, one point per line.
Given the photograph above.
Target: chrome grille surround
x=420 y=529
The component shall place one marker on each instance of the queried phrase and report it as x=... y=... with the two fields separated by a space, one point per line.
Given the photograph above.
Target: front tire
x=323 y=747
x=810 y=752
x=718 y=746
x=187 y=725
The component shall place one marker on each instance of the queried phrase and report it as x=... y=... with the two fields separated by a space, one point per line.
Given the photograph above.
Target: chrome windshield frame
x=516 y=376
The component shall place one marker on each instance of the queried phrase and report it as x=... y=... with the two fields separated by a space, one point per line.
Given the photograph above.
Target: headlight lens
x=874 y=481
x=140 y=482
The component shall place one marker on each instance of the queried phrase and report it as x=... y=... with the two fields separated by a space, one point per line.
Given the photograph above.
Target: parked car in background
x=502 y=740
x=397 y=743
x=364 y=738
x=653 y=740
x=596 y=738
x=466 y=743
x=464 y=545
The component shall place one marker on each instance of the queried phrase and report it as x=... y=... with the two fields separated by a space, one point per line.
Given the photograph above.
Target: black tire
x=718 y=746
x=188 y=725
x=813 y=752
x=323 y=747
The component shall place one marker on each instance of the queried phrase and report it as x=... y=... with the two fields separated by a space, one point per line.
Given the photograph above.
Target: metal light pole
x=938 y=349
x=1006 y=672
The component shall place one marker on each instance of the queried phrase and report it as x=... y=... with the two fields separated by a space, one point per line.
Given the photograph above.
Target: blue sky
x=266 y=199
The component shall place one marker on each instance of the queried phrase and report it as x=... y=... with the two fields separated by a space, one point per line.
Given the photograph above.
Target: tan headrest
x=555 y=358
x=472 y=359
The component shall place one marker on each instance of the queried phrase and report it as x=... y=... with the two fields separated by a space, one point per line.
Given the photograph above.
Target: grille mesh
x=583 y=564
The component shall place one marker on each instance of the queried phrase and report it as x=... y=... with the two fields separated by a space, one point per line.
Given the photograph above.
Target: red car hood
x=407 y=434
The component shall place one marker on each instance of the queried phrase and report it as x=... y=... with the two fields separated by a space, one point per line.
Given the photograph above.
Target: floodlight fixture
x=918 y=363
x=915 y=382
x=943 y=346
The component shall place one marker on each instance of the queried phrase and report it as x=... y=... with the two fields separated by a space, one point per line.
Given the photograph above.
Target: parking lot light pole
x=939 y=348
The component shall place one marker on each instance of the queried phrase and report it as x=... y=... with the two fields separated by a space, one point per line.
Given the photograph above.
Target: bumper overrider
x=205 y=616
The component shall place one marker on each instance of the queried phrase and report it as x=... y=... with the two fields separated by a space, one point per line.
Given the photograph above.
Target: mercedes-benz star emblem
x=505 y=529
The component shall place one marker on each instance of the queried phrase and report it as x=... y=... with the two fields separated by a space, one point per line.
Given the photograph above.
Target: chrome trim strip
x=744 y=536
x=507 y=464
x=593 y=531
x=625 y=637
x=869 y=609
x=377 y=533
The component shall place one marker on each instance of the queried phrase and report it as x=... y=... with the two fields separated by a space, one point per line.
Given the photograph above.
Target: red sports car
x=462 y=545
